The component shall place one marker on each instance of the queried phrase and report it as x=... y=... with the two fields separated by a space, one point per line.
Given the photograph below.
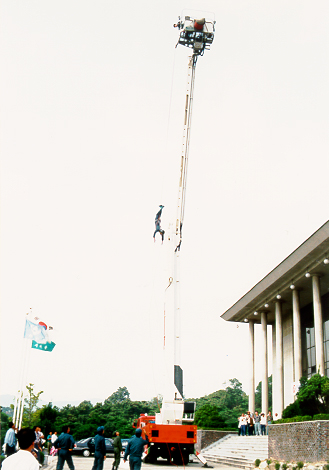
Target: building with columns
x=293 y=300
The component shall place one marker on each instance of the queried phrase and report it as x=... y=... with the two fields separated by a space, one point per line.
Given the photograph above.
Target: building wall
x=307 y=441
x=288 y=358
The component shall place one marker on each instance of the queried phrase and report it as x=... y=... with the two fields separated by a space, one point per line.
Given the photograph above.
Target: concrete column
x=297 y=332
x=264 y=365
x=318 y=327
x=252 y=364
x=274 y=395
x=279 y=358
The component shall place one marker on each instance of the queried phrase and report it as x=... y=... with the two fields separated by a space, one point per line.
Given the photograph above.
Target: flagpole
x=19 y=403
x=20 y=381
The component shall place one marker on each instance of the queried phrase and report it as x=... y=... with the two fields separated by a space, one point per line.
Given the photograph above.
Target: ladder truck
x=171 y=432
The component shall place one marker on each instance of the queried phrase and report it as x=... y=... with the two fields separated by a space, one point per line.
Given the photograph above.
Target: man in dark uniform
x=135 y=449
x=100 y=449
x=65 y=444
x=158 y=224
x=117 y=450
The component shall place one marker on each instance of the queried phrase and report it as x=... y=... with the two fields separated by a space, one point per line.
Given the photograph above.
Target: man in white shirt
x=23 y=459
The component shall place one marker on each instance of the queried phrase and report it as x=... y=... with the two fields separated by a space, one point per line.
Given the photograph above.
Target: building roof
x=308 y=257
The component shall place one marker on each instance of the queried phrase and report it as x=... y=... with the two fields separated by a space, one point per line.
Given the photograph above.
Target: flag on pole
x=35 y=332
x=49 y=346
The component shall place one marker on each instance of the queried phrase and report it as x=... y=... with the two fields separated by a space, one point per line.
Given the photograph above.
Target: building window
x=310 y=351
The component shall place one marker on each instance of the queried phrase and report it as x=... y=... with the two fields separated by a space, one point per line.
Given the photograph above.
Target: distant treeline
x=219 y=410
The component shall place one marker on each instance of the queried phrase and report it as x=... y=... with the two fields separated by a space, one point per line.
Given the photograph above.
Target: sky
x=91 y=109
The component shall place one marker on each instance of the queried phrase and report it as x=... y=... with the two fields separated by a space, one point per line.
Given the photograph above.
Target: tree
x=31 y=403
x=313 y=395
x=258 y=395
x=4 y=425
x=235 y=396
x=208 y=417
x=119 y=396
x=46 y=418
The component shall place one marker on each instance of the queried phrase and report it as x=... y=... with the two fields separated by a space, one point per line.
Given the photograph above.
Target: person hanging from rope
x=158 y=224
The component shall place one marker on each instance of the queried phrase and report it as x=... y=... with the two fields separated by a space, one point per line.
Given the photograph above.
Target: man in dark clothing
x=117 y=450
x=65 y=444
x=158 y=224
x=135 y=449
x=100 y=449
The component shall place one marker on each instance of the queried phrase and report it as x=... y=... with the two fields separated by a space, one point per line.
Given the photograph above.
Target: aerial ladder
x=198 y=35
x=171 y=432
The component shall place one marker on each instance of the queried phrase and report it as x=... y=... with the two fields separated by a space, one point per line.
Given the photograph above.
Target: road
x=86 y=463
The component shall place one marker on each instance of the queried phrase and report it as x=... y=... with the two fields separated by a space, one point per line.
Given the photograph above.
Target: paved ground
x=86 y=463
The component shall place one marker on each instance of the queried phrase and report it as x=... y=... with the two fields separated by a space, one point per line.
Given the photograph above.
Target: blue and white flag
x=49 y=346
x=35 y=332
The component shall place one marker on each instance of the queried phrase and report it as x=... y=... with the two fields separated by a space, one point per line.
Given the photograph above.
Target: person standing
x=49 y=442
x=23 y=458
x=117 y=450
x=65 y=444
x=257 y=423
x=37 y=443
x=100 y=449
x=263 y=424
x=250 y=424
x=135 y=449
x=243 y=421
x=10 y=440
x=269 y=420
x=54 y=438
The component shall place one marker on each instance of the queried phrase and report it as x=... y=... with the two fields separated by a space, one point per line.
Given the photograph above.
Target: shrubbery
x=312 y=397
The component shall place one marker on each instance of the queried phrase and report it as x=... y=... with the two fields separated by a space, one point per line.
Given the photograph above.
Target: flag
x=49 y=346
x=35 y=332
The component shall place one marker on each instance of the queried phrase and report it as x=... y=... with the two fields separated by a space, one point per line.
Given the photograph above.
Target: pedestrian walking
x=65 y=444
x=117 y=450
x=100 y=449
x=135 y=449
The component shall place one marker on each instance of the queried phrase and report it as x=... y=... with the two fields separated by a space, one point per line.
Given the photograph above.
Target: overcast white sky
x=92 y=103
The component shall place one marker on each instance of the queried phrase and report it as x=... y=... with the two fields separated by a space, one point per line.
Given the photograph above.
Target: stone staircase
x=237 y=451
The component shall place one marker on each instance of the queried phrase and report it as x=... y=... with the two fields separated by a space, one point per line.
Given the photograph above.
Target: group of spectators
x=31 y=444
x=39 y=441
x=254 y=424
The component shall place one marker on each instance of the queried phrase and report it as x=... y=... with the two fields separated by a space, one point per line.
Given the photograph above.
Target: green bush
x=41 y=457
x=257 y=462
x=321 y=416
x=277 y=466
x=268 y=461
x=291 y=410
x=284 y=466
x=300 y=465
x=295 y=419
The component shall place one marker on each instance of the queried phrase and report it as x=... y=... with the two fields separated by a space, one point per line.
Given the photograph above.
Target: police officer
x=135 y=449
x=100 y=449
x=65 y=444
